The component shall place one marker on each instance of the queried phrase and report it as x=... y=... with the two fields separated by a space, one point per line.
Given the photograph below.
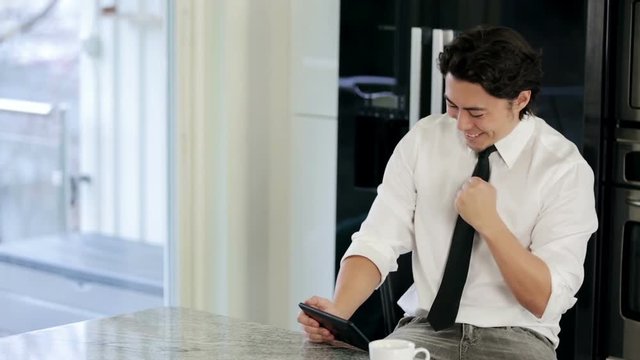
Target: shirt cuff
x=376 y=253
x=562 y=299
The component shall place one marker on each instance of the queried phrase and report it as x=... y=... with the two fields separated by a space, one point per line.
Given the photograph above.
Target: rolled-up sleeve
x=387 y=232
x=565 y=224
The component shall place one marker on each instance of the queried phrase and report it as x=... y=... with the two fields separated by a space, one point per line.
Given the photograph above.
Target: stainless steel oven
x=623 y=247
x=627 y=158
x=624 y=276
x=629 y=71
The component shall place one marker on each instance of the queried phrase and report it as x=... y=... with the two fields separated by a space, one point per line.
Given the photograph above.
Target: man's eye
x=476 y=115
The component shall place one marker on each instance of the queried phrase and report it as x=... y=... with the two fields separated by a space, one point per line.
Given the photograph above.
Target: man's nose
x=464 y=122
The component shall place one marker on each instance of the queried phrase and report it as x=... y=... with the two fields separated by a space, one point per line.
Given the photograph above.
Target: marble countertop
x=168 y=333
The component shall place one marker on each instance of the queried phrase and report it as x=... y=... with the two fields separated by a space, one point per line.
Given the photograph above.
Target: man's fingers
x=315 y=338
x=313 y=301
x=307 y=321
x=311 y=327
x=318 y=334
x=318 y=302
x=319 y=337
x=316 y=331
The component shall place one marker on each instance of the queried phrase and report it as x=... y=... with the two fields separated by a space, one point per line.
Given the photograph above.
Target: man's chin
x=476 y=146
x=479 y=143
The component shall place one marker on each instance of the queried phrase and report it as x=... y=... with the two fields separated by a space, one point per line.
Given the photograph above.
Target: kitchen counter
x=168 y=333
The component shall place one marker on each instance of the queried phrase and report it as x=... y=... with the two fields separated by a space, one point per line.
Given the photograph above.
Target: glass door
x=83 y=160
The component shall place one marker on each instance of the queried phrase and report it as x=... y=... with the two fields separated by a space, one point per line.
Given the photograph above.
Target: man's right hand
x=314 y=331
x=357 y=278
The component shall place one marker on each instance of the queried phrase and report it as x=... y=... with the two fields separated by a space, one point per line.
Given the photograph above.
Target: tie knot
x=486 y=152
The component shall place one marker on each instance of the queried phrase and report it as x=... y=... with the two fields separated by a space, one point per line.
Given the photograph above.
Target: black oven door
x=624 y=276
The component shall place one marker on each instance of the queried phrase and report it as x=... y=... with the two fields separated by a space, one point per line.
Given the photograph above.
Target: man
x=528 y=222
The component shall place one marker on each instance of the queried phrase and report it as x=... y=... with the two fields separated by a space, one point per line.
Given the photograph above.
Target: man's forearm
x=527 y=275
x=357 y=279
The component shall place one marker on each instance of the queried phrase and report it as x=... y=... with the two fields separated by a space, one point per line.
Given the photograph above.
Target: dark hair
x=497 y=58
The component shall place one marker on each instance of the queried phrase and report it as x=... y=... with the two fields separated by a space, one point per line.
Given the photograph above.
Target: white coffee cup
x=392 y=349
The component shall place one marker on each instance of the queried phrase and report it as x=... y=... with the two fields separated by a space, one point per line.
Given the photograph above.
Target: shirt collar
x=512 y=145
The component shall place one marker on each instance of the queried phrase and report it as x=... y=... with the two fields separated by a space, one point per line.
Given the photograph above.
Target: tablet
x=343 y=330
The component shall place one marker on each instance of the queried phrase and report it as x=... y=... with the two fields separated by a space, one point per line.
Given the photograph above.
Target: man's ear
x=522 y=100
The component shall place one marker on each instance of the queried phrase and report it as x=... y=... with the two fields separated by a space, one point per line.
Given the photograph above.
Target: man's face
x=482 y=118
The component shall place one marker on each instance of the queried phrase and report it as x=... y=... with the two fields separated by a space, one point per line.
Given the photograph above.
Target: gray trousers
x=468 y=342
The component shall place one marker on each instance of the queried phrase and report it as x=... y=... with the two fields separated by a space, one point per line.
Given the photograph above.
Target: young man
x=497 y=289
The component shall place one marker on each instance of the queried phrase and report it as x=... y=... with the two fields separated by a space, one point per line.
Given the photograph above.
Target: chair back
x=392 y=289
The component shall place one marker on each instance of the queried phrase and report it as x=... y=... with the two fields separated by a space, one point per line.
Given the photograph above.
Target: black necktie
x=445 y=306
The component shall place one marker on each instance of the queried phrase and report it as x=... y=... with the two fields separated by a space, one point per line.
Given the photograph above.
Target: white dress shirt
x=544 y=195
